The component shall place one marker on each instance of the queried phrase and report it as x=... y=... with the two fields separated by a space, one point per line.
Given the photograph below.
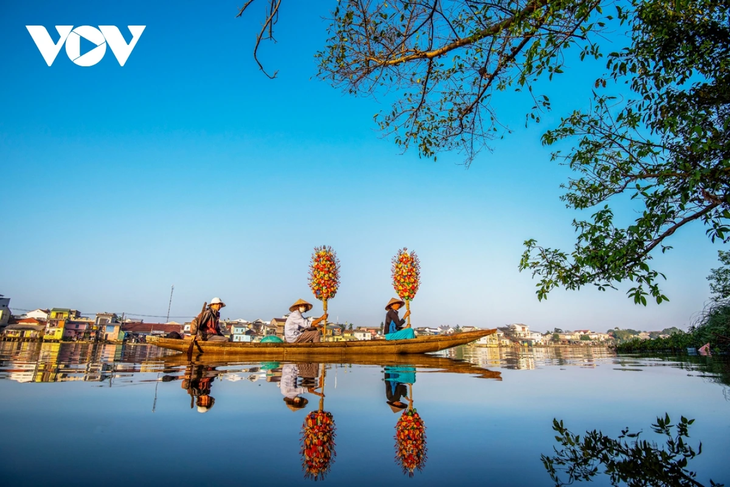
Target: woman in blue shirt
x=394 y=329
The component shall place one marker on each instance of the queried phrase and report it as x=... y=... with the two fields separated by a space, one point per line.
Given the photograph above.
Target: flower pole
x=318 y=439
x=324 y=277
x=406 y=271
x=410 y=440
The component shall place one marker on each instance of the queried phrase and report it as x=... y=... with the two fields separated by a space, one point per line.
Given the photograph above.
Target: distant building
x=112 y=332
x=25 y=329
x=362 y=334
x=240 y=332
x=278 y=325
x=57 y=320
x=77 y=329
x=4 y=310
x=39 y=314
x=497 y=339
x=147 y=329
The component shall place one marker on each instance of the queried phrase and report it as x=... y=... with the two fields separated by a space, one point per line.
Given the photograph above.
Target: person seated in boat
x=299 y=329
x=394 y=329
x=292 y=389
x=208 y=328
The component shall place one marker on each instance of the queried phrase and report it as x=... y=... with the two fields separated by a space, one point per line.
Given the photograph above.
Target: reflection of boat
x=429 y=362
x=333 y=349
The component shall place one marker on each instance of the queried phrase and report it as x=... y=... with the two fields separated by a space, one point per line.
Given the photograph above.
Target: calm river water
x=78 y=414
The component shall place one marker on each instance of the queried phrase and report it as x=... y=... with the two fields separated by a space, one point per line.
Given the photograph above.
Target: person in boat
x=208 y=328
x=299 y=329
x=394 y=325
x=198 y=382
x=292 y=388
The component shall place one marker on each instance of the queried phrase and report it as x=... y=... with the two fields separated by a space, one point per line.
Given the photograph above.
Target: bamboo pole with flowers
x=406 y=272
x=318 y=438
x=324 y=277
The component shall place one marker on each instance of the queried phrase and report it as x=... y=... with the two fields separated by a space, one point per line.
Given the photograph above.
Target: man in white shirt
x=299 y=329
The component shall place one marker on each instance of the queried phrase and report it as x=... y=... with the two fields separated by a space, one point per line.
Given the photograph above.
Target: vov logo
x=105 y=34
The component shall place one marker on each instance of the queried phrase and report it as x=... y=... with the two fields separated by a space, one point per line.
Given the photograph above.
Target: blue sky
x=188 y=166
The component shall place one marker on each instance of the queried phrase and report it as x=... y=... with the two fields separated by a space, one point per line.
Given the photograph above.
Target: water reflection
x=410 y=430
x=379 y=405
x=198 y=382
x=318 y=431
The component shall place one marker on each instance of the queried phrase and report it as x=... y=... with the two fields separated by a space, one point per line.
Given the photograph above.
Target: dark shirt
x=209 y=323
x=392 y=315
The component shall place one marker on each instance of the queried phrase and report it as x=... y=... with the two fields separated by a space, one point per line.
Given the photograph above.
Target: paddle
x=194 y=341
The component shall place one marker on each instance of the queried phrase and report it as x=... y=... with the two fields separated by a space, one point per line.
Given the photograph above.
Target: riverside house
x=155 y=329
x=25 y=329
x=57 y=323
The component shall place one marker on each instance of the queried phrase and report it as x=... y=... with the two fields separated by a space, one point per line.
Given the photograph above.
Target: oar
x=194 y=341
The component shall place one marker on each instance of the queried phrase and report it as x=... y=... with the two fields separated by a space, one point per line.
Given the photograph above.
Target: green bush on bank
x=712 y=327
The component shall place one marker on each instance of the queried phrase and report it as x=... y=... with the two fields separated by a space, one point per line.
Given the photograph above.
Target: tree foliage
x=627 y=459
x=445 y=60
x=668 y=147
x=720 y=278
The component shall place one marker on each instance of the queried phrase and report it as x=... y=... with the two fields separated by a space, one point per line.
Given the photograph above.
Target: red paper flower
x=406 y=272
x=324 y=273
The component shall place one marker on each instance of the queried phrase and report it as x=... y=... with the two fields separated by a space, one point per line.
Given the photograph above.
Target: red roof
x=147 y=328
x=30 y=321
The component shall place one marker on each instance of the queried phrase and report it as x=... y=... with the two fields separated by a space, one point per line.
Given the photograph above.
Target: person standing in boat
x=299 y=329
x=208 y=328
x=394 y=329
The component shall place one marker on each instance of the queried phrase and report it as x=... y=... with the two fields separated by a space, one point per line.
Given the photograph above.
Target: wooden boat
x=331 y=349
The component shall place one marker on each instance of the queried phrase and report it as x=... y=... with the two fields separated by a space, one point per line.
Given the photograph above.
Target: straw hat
x=396 y=406
x=218 y=301
x=296 y=403
x=394 y=301
x=299 y=303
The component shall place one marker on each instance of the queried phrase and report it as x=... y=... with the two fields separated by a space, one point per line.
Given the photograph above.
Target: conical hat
x=299 y=303
x=295 y=407
x=396 y=406
x=394 y=301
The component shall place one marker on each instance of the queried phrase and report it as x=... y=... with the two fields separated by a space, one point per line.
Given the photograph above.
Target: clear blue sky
x=188 y=166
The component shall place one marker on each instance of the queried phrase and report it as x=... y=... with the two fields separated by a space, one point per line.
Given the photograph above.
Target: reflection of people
x=394 y=329
x=299 y=329
x=198 y=381
x=208 y=328
x=396 y=380
x=292 y=388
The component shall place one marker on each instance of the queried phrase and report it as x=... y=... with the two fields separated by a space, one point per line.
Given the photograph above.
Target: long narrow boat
x=334 y=349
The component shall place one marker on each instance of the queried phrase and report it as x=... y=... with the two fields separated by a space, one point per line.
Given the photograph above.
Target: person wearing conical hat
x=394 y=329
x=299 y=329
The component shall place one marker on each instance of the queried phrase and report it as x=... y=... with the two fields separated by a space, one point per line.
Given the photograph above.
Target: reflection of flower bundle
x=406 y=272
x=410 y=442
x=318 y=444
x=324 y=273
